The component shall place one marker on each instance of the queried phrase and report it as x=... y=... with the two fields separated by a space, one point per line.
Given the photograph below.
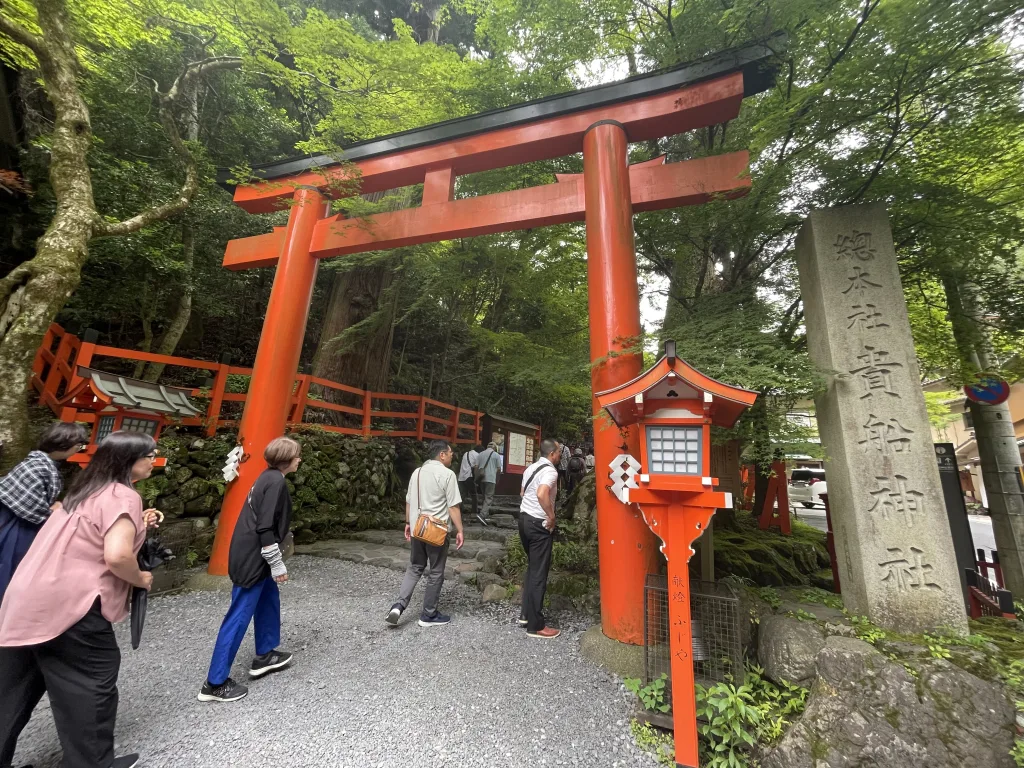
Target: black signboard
x=956 y=510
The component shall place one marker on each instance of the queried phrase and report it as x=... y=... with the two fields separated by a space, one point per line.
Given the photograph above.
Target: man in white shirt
x=467 y=470
x=591 y=461
x=536 y=531
x=433 y=490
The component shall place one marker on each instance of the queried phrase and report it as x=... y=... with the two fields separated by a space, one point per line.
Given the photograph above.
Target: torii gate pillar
x=277 y=358
x=627 y=550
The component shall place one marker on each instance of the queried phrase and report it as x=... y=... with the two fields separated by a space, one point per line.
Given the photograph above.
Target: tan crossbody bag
x=428 y=529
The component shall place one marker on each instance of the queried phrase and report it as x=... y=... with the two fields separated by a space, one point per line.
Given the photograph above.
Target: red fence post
x=53 y=378
x=84 y=356
x=220 y=382
x=419 y=418
x=454 y=432
x=39 y=362
x=367 y=407
x=301 y=398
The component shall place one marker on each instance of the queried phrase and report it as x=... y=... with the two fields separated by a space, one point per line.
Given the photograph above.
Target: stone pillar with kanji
x=896 y=559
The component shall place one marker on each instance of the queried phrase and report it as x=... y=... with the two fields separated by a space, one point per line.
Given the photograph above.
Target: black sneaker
x=125 y=761
x=229 y=690
x=437 y=620
x=483 y=520
x=394 y=615
x=269 y=662
x=522 y=622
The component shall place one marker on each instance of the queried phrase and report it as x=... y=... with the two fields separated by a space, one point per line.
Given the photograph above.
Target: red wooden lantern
x=674 y=406
x=113 y=403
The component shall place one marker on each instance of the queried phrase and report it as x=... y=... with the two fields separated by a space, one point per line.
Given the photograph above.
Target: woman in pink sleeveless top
x=55 y=621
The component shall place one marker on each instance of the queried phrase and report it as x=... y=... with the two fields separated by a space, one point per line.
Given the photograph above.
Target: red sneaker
x=548 y=633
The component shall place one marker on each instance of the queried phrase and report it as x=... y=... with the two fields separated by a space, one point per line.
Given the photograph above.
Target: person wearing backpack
x=537 y=531
x=488 y=467
x=28 y=492
x=467 y=481
x=577 y=469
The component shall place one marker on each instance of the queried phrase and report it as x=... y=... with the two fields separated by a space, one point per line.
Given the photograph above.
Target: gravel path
x=359 y=694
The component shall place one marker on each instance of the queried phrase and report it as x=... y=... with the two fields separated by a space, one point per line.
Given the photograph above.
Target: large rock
x=484 y=580
x=204 y=506
x=193 y=489
x=171 y=506
x=787 y=648
x=866 y=711
x=493 y=593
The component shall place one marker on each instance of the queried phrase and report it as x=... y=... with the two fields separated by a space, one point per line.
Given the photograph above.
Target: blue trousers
x=261 y=603
x=16 y=536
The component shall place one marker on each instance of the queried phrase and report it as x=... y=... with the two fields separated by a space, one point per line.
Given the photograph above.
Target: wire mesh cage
x=714 y=620
x=180 y=537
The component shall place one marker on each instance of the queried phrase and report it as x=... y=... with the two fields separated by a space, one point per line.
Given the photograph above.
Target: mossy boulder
x=305 y=536
x=179 y=474
x=193 y=489
x=171 y=506
x=866 y=710
x=202 y=506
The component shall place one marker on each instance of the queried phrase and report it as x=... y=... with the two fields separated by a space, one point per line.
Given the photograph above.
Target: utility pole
x=994 y=434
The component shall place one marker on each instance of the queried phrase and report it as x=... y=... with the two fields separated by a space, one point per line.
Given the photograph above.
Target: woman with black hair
x=29 y=490
x=55 y=622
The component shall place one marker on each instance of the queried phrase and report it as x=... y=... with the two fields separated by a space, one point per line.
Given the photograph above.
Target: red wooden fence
x=60 y=354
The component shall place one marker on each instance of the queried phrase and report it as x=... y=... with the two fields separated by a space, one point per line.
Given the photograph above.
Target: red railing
x=60 y=354
x=987 y=598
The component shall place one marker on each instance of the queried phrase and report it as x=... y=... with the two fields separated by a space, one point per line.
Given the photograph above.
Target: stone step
x=506 y=521
x=368 y=553
x=472 y=549
x=476 y=531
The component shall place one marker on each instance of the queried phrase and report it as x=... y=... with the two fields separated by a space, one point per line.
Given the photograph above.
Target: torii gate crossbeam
x=598 y=122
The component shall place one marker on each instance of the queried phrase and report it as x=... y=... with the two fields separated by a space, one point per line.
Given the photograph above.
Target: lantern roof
x=674 y=388
x=98 y=389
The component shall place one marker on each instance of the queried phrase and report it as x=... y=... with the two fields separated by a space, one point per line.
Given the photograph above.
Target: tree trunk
x=355 y=296
x=147 y=341
x=994 y=434
x=34 y=292
x=183 y=310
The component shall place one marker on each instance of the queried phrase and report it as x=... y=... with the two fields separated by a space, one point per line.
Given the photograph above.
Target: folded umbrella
x=152 y=555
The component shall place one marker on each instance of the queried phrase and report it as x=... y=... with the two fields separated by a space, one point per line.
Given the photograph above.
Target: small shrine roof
x=668 y=386
x=135 y=394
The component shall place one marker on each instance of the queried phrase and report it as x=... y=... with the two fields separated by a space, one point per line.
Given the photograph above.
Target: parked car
x=806 y=486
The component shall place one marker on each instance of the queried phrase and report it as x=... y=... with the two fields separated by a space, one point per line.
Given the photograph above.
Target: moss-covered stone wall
x=343 y=484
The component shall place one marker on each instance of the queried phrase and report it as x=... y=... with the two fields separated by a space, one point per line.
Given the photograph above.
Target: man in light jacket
x=488 y=467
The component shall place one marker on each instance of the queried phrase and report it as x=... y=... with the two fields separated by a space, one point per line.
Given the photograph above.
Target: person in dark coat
x=29 y=490
x=256 y=567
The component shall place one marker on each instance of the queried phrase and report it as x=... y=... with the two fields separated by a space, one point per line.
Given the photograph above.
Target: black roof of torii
x=755 y=61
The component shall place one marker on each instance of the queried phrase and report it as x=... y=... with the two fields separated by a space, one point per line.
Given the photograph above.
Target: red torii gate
x=599 y=122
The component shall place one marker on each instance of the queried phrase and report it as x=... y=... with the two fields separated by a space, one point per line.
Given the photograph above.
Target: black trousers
x=78 y=669
x=469 y=492
x=537 y=542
